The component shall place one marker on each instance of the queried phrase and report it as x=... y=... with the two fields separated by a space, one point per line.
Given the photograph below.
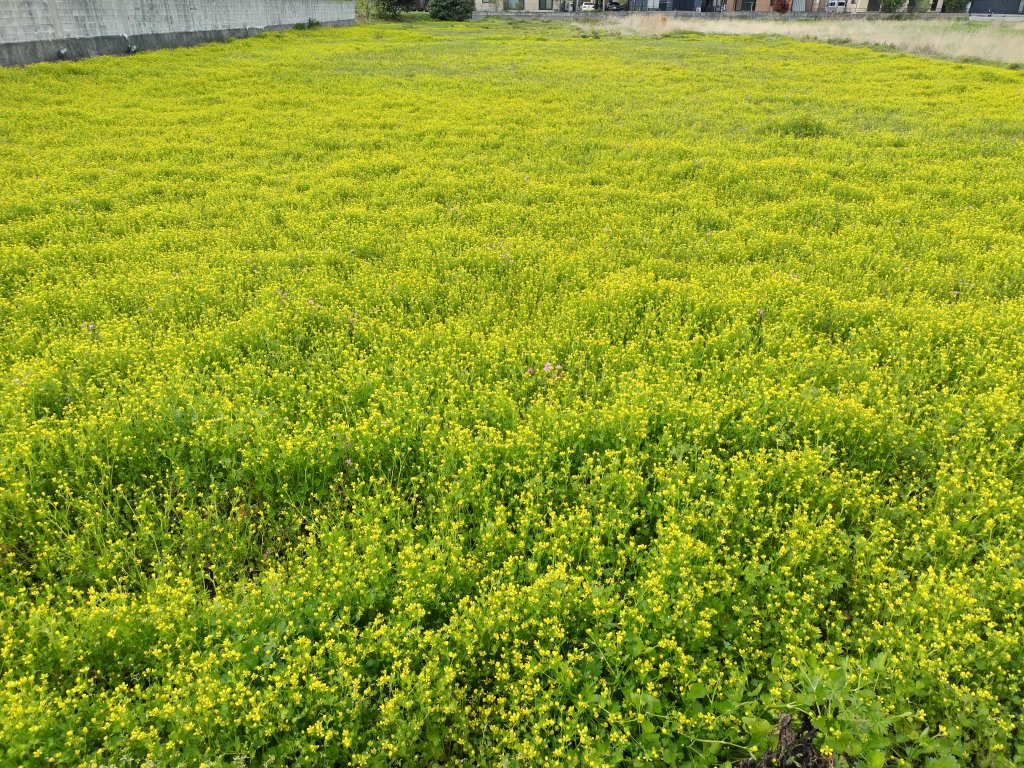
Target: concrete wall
x=38 y=30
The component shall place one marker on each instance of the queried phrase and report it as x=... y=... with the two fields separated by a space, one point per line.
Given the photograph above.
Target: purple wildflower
x=529 y=371
x=348 y=462
x=548 y=367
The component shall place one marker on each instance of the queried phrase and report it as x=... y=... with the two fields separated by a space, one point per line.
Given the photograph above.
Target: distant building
x=996 y=7
x=977 y=7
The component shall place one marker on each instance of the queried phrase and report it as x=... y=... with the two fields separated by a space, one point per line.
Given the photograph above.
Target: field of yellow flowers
x=493 y=395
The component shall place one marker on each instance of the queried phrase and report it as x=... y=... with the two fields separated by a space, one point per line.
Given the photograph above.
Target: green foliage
x=955 y=6
x=451 y=10
x=390 y=9
x=520 y=417
x=364 y=10
x=805 y=127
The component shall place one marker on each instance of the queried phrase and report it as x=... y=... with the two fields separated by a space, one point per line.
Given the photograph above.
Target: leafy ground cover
x=490 y=395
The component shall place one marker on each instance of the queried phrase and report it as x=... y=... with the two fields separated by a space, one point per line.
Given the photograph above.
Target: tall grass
x=992 y=41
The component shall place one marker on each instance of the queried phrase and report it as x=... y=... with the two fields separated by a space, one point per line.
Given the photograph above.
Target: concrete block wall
x=80 y=27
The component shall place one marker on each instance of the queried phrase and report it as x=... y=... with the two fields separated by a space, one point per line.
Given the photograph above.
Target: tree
x=781 y=6
x=450 y=10
x=390 y=9
x=364 y=9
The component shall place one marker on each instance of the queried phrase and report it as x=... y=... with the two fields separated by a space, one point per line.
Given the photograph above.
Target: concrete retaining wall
x=48 y=30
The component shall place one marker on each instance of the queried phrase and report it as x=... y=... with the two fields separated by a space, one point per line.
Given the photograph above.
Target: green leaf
x=696 y=691
x=757 y=728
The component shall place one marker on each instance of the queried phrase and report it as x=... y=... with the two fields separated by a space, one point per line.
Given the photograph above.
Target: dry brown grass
x=995 y=41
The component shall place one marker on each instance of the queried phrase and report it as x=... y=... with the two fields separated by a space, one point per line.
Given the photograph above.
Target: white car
x=588 y=7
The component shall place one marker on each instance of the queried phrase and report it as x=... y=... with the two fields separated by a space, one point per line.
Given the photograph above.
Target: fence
x=48 y=30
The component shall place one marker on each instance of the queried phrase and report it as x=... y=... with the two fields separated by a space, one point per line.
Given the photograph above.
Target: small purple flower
x=310 y=302
x=558 y=367
x=548 y=367
x=351 y=320
x=529 y=371
x=761 y=313
x=348 y=462
x=956 y=294
x=92 y=326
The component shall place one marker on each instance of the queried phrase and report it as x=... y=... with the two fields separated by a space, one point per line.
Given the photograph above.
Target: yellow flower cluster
x=489 y=395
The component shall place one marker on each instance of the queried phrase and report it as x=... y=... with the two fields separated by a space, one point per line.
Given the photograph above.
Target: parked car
x=588 y=6
x=614 y=5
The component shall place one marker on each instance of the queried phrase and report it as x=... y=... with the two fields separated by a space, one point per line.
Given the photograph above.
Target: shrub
x=391 y=9
x=781 y=6
x=451 y=10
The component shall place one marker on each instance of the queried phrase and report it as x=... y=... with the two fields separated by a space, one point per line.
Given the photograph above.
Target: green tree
x=391 y=9
x=450 y=10
x=364 y=9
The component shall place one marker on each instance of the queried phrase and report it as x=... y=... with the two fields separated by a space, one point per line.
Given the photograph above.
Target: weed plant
x=487 y=395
